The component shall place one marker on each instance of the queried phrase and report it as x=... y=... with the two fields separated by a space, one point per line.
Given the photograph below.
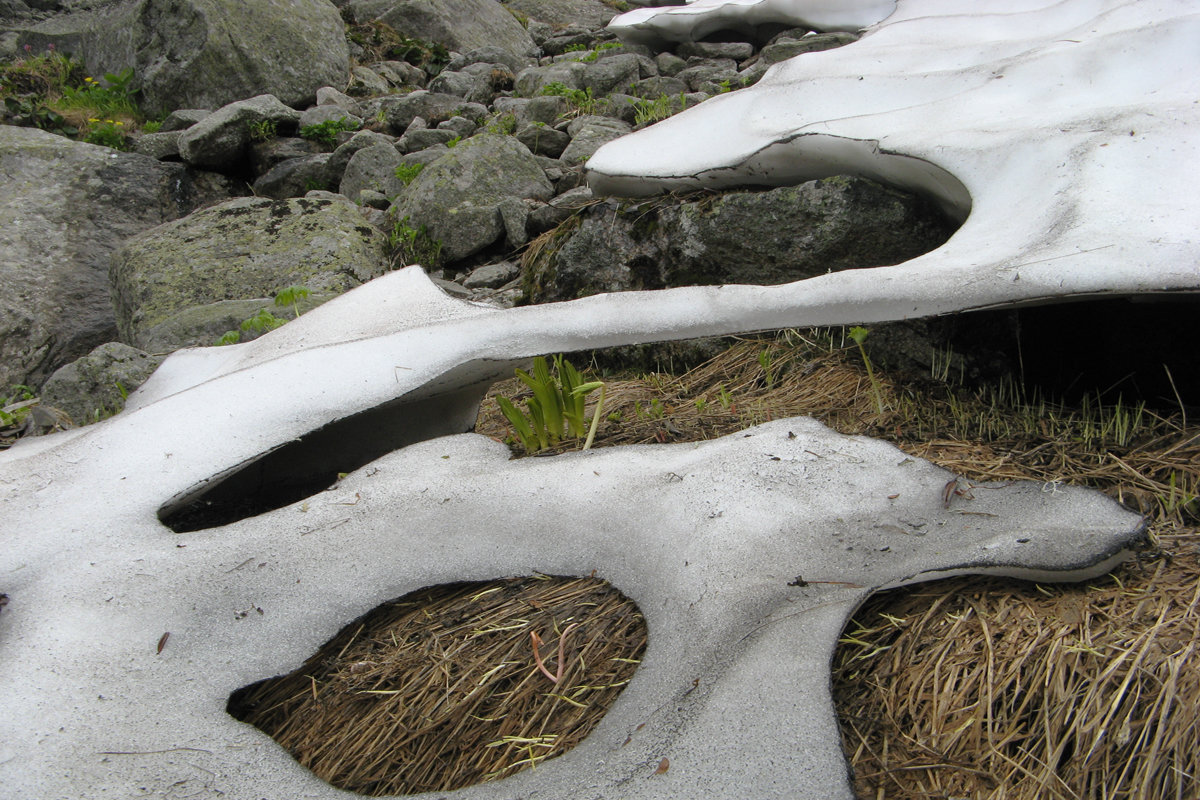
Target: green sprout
x=557 y=409
x=859 y=335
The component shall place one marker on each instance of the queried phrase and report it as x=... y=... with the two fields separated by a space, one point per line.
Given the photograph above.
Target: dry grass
x=441 y=689
x=974 y=687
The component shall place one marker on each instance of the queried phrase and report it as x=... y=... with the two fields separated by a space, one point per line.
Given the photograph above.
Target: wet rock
x=770 y=237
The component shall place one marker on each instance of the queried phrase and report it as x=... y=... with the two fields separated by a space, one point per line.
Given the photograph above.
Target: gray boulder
x=328 y=96
x=614 y=72
x=478 y=82
x=459 y=25
x=207 y=325
x=95 y=386
x=265 y=156
x=318 y=115
x=161 y=146
x=543 y=140
x=372 y=168
x=588 y=134
x=765 y=238
x=559 y=13
x=294 y=177
x=457 y=199
x=243 y=249
x=488 y=54
x=532 y=80
x=183 y=118
x=219 y=141
x=424 y=138
x=785 y=48
x=335 y=167
x=66 y=206
x=433 y=107
x=207 y=53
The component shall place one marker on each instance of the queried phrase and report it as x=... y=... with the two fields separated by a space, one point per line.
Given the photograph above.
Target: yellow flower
x=92 y=119
x=89 y=80
x=116 y=122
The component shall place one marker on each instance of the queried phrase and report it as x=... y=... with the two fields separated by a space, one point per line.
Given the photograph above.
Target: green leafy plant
x=503 y=125
x=595 y=54
x=647 y=111
x=769 y=368
x=15 y=407
x=724 y=397
x=414 y=245
x=265 y=320
x=152 y=126
x=31 y=113
x=407 y=173
x=582 y=100
x=264 y=130
x=454 y=142
x=111 y=97
x=557 y=409
x=107 y=133
x=859 y=335
x=326 y=132
x=575 y=48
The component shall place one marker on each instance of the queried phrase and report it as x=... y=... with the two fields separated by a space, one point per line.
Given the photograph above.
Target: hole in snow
x=312 y=463
x=440 y=689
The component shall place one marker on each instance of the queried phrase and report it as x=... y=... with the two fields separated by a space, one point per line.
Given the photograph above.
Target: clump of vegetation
x=112 y=97
x=581 y=100
x=648 y=111
x=407 y=173
x=556 y=409
x=52 y=92
x=414 y=246
x=17 y=406
x=384 y=43
x=264 y=130
x=592 y=54
x=107 y=133
x=265 y=320
x=326 y=133
x=503 y=124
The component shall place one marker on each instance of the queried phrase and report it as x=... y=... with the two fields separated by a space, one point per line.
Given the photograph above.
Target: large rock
x=243 y=249
x=560 y=13
x=220 y=140
x=763 y=238
x=458 y=198
x=433 y=107
x=207 y=53
x=459 y=25
x=65 y=208
x=95 y=386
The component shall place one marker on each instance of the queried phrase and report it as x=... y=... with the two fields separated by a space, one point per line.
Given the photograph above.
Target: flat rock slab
x=745 y=554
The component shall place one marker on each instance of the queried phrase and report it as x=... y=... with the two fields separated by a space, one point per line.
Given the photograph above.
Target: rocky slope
x=374 y=135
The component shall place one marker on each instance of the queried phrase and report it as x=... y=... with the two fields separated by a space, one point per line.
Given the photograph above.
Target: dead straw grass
x=441 y=689
x=975 y=687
